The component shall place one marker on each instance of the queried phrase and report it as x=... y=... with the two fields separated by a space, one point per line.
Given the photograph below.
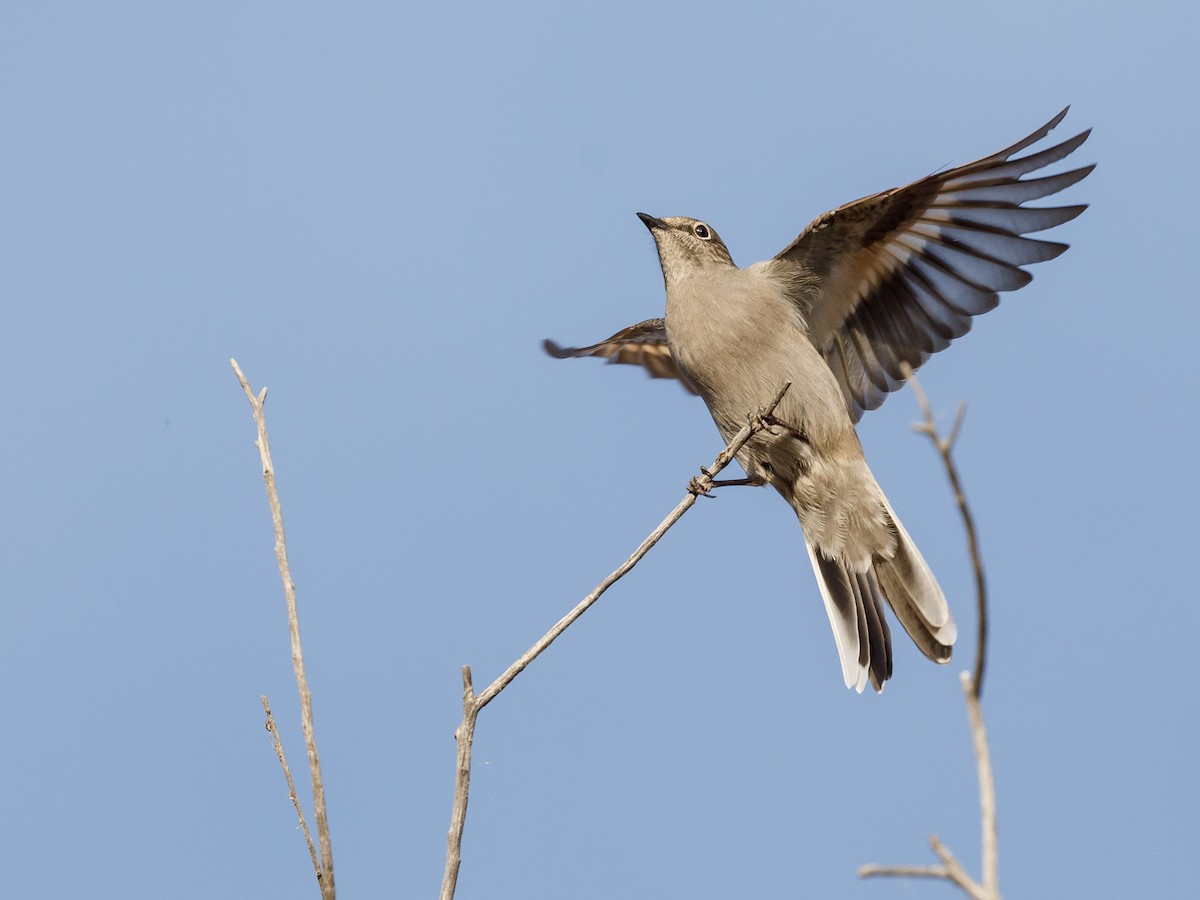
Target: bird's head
x=686 y=247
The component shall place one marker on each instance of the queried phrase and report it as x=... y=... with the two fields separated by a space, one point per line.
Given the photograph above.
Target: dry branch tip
x=324 y=869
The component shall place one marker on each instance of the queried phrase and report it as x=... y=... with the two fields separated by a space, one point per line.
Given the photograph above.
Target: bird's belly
x=739 y=367
x=739 y=356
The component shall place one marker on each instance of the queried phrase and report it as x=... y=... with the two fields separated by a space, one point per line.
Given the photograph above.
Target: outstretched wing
x=893 y=278
x=643 y=344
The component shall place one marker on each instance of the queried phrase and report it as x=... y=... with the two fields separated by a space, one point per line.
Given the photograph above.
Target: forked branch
x=472 y=703
x=273 y=730
x=324 y=871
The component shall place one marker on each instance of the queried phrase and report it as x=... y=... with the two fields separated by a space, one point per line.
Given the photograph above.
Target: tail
x=915 y=597
x=854 y=602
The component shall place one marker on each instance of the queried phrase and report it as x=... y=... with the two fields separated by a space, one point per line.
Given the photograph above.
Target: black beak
x=651 y=222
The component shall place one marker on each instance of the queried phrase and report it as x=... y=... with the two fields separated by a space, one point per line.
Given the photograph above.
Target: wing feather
x=643 y=344
x=900 y=274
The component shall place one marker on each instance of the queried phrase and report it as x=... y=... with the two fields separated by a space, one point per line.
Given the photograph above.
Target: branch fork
x=464 y=735
x=323 y=867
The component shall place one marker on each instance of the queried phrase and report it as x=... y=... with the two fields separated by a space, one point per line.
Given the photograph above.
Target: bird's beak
x=652 y=223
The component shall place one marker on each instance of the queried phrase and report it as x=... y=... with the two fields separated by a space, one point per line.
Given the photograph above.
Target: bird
x=846 y=313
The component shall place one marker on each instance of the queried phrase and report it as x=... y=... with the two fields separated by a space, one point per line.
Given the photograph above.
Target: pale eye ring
x=702 y=231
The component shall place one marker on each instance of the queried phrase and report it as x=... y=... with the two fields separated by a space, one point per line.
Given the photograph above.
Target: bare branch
x=945 y=447
x=725 y=457
x=464 y=736
x=465 y=733
x=957 y=874
x=873 y=871
x=287 y=774
x=325 y=871
x=989 y=841
x=950 y=870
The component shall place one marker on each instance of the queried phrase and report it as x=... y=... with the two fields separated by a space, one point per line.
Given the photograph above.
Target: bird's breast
x=738 y=338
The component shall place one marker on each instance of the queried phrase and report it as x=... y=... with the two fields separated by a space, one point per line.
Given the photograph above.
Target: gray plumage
x=864 y=292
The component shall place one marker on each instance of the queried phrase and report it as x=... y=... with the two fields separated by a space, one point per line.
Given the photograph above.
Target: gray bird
x=866 y=294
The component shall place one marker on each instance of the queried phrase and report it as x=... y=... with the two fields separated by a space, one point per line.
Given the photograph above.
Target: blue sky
x=380 y=211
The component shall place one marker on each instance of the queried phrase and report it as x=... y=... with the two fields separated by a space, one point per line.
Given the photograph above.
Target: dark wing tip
x=556 y=350
x=1068 y=212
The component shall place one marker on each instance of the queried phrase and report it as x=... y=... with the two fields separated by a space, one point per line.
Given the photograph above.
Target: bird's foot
x=770 y=423
x=765 y=422
x=702 y=485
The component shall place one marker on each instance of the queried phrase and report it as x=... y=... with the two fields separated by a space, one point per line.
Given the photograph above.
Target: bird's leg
x=764 y=422
x=768 y=422
x=698 y=486
x=734 y=482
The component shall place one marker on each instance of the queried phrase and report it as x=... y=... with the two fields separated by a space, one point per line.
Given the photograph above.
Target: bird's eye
x=701 y=231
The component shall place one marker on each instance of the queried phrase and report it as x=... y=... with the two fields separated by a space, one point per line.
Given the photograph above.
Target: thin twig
x=951 y=870
x=325 y=870
x=287 y=774
x=945 y=448
x=989 y=840
x=464 y=736
x=724 y=458
x=873 y=871
x=472 y=704
x=956 y=873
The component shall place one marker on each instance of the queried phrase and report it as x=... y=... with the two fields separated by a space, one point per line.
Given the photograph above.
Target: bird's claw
x=769 y=423
x=701 y=485
x=763 y=422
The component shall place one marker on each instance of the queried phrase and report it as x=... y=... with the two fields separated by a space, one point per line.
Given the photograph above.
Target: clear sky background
x=380 y=211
